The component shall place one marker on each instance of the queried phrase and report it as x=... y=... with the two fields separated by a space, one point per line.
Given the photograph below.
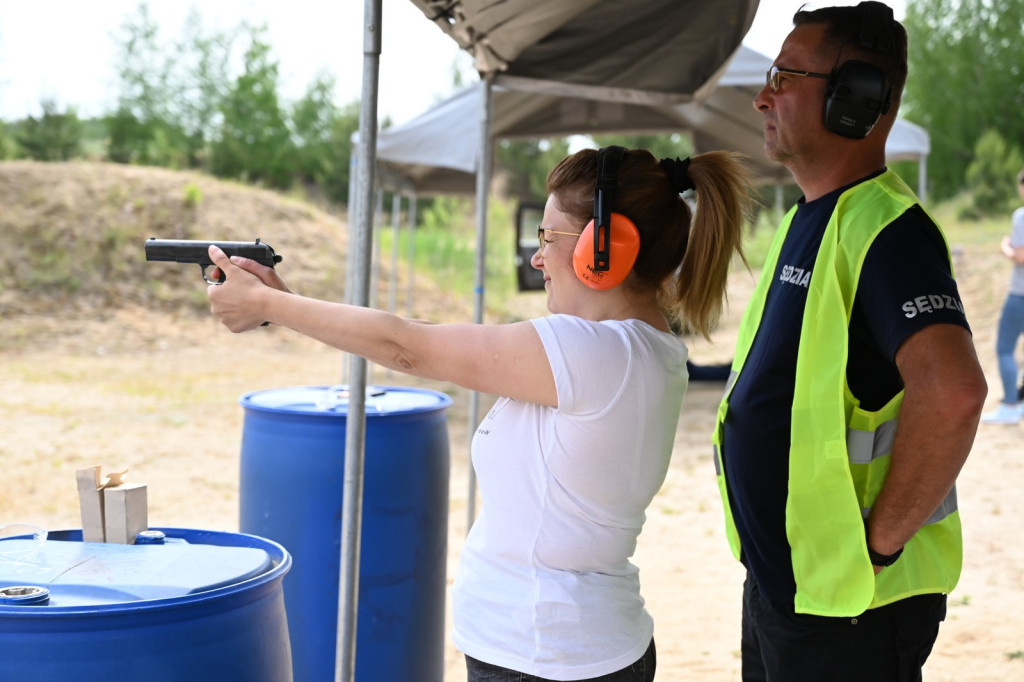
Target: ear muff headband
x=609 y=244
x=858 y=93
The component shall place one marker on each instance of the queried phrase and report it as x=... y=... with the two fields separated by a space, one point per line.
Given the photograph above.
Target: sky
x=64 y=50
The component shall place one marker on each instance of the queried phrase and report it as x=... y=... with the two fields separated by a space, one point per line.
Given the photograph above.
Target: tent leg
x=355 y=433
x=483 y=181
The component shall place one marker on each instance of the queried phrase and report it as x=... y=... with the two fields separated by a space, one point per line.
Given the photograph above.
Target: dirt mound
x=74 y=236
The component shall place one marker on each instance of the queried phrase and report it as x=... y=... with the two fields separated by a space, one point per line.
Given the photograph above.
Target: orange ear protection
x=609 y=244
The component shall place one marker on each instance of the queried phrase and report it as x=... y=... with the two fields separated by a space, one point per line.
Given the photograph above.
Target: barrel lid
x=380 y=400
x=94 y=573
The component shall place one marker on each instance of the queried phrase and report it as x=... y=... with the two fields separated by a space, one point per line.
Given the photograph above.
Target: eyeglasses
x=774 y=80
x=542 y=239
x=1020 y=179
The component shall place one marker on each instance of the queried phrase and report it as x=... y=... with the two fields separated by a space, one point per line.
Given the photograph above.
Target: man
x=856 y=390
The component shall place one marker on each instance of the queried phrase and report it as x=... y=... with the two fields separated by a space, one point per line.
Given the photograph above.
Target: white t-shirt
x=544 y=584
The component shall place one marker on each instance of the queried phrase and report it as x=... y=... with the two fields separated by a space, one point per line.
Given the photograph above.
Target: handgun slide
x=197 y=251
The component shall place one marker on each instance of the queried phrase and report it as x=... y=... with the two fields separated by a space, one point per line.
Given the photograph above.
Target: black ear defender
x=858 y=93
x=610 y=243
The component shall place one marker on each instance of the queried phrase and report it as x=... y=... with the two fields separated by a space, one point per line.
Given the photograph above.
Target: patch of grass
x=192 y=195
x=444 y=248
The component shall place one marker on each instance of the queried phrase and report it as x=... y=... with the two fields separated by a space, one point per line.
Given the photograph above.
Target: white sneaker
x=1004 y=414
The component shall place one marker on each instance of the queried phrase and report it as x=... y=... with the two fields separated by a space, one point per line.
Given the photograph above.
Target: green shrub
x=991 y=177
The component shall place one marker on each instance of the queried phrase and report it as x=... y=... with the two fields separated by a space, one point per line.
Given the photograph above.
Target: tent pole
x=375 y=259
x=483 y=181
x=412 y=254
x=396 y=217
x=350 y=253
x=922 y=176
x=355 y=431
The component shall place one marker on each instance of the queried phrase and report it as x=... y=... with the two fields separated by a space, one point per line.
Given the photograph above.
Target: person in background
x=579 y=442
x=1011 y=322
x=856 y=388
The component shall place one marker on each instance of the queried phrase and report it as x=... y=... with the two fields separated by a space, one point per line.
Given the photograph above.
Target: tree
x=55 y=136
x=323 y=138
x=965 y=78
x=669 y=145
x=200 y=84
x=992 y=176
x=312 y=118
x=254 y=142
x=142 y=129
x=525 y=165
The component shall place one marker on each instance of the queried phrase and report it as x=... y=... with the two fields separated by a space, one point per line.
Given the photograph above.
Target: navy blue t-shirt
x=905 y=285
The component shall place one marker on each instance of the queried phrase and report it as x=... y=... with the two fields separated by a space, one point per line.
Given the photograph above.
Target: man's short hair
x=843 y=39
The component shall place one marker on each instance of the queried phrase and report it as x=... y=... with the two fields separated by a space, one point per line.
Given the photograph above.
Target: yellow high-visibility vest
x=839 y=454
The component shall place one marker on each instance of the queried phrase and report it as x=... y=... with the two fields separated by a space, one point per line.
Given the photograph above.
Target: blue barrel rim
x=444 y=402
x=279 y=557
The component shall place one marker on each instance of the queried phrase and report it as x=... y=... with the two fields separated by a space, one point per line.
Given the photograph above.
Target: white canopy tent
x=438 y=152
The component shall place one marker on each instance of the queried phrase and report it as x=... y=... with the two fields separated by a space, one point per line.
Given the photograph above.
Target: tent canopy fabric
x=438 y=152
x=644 y=51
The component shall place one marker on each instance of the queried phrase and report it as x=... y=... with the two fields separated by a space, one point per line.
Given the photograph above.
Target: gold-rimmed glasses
x=542 y=233
x=774 y=79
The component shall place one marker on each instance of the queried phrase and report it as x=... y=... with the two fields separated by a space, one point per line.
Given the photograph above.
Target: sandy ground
x=159 y=395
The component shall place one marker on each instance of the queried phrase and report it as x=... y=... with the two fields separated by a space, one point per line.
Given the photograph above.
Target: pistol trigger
x=220 y=274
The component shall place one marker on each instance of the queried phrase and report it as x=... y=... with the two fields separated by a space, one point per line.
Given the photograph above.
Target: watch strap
x=883 y=559
x=876 y=558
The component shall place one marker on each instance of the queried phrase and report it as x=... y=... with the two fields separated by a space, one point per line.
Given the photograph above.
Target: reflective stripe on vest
x=839 y=453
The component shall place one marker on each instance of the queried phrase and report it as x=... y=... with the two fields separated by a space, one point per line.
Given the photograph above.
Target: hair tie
x=677 y=172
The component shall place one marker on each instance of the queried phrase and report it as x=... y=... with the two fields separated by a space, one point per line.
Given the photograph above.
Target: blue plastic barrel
x=291 y=490
x=191 y=605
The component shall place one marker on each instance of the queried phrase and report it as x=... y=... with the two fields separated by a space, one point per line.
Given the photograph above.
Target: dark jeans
x=887 y=644
x=641 y=671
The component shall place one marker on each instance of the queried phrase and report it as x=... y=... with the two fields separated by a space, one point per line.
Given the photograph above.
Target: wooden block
x=90 y=503
x=125 y=512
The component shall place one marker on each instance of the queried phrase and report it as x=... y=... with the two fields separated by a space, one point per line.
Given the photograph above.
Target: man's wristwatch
x=883 y=559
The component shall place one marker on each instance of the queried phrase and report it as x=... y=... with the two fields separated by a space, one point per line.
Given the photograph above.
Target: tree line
x=182 y=107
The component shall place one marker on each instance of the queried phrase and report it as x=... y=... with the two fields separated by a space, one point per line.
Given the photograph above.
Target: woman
x=578 y=444
x=1011 y=321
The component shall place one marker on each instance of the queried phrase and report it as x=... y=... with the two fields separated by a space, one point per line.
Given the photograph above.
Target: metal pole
x=922 y=177
x=396 y=217
x=483 y=181
x=412 y=254
x=378 y=220
x=355 y=429
x=350 y=265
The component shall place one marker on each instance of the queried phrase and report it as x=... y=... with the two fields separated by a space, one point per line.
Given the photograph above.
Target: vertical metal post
x=412 y=255
x=355 y=428
x=350 y=251
x=483 y=181
x=396 y=217
x=922 y=177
